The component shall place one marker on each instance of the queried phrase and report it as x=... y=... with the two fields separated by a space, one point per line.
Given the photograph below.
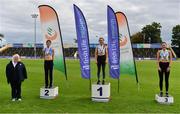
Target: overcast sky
x=17 y=24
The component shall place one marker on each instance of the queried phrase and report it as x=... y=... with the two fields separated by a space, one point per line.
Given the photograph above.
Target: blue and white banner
x=83 y=42
x=113 y=44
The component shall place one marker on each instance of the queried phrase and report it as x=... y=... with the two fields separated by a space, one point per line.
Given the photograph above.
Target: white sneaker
x=13 y=99
x=19 y=99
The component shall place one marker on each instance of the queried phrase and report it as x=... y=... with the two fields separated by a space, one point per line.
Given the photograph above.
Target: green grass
x=74 y=94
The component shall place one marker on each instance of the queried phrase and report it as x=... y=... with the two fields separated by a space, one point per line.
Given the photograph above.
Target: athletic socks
x=167 y=94
x=98 y=82
x=161 y=94
x=50 y=86
x=103 y=82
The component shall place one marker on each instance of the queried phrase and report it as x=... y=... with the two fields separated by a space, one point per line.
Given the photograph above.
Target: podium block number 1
x=100 y=91
x=46 y=93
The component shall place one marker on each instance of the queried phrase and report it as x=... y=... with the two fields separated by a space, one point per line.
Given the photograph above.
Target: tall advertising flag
x=113 y=44
x=83 y=42
x=127 y=63
x=51 y=31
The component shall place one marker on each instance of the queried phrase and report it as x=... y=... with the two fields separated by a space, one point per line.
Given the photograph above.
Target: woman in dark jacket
x=16 y=73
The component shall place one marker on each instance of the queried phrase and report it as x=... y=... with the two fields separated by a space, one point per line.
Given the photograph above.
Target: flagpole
x=58 y=23
x=64 y=62
x=80 y=22
x=137 y=81
x=131 y=46
x=90 y=84
x=118 y=85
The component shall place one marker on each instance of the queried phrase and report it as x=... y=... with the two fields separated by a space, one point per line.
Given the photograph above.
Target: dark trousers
x=15 y=89
x=48 y=68
x=101 y=64
x=163 y=71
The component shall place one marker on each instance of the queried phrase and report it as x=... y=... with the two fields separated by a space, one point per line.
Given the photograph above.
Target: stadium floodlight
x=34 y=16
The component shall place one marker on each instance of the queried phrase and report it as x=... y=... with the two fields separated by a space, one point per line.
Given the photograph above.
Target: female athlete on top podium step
x=101 y=56
x=164 y=61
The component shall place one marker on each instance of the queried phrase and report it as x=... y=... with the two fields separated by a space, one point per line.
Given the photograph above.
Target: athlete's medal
x=101 y=50
x=47 y=53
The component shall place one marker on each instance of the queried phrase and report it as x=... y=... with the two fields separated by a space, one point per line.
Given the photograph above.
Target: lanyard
x=101 y=49
x=164 y=54
x=47 y=50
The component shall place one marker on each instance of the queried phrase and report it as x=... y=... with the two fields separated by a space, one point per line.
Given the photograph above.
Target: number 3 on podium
x=166 y=99
x=100 y=91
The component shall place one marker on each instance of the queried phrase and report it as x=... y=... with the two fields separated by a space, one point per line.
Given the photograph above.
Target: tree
x=176 y=36
x=176 y=39
x=149 y=34
x=152 y=33
x=137 y=38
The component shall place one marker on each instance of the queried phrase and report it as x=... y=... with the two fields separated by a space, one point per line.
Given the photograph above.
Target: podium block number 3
x=46 y=92
x=166 y=99
x=100 y=91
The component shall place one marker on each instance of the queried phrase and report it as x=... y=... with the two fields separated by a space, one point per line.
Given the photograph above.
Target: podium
x=49 y=93
x=164 y=100
x=100 y=93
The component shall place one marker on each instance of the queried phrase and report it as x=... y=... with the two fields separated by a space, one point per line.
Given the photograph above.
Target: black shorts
x=164 y=66
x=101 y=59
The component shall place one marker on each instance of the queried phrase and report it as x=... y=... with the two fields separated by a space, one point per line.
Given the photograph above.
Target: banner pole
x=137 y=81
x=60 y=47
x=90 y=84
x=118 y=85
x=138 y=85
x=83 y=42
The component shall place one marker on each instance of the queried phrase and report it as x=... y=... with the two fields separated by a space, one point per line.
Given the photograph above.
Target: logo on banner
x=123 y=41
x=51 y=34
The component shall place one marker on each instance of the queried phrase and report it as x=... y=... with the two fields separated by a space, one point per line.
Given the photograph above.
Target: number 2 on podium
x=46 y=93
x=100 y=91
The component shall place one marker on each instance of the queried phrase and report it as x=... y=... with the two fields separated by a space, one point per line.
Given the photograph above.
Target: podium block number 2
x=46 y=92
x=100 y=91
